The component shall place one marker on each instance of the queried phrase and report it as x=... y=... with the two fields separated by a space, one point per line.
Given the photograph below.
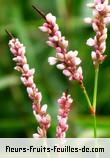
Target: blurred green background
x=16 y=118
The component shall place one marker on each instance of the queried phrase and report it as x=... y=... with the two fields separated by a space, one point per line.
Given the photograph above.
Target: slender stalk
x=95 y=127
x=86 y=95
x=95 y=86
x=95 y=98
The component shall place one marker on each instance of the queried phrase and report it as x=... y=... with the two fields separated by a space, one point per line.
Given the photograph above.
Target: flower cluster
x=18 y=50
x=101 y=16
x=64 y=107
x=67 y=61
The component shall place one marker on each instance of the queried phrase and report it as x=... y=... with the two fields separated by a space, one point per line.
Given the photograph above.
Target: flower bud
x=52 y=60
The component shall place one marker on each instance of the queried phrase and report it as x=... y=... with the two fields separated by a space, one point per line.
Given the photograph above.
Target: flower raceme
x=67 y=61
x=64 y=107
x=40 y=112
x=101 y=16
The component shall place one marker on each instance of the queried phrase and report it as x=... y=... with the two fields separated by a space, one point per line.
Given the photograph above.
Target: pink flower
x=60 y=66
x=66 y=73
x=90 y=42
x=44 y=120
x=50 y=18
x=52 y=60
x=64 y=107
x=101 y=16
x=67 y=60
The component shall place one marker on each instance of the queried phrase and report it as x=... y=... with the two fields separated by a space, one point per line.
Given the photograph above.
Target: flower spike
x=65 y=60
x=27 y=78
x=101 y=16
x=64 y=108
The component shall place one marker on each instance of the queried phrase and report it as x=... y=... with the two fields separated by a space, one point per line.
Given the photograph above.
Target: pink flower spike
x=67 y=60
x=101 y=16
x=64 y=107
x=44 y=120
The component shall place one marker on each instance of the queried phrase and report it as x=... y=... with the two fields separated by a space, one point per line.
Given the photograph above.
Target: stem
x=95 y=127
x=95 y=87
x=95 y=98
x=86 y=95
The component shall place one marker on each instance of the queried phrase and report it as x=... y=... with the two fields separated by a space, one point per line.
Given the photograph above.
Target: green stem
x=95 y=98
x=95 y=127
x=95 y=87
x=86 y=95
